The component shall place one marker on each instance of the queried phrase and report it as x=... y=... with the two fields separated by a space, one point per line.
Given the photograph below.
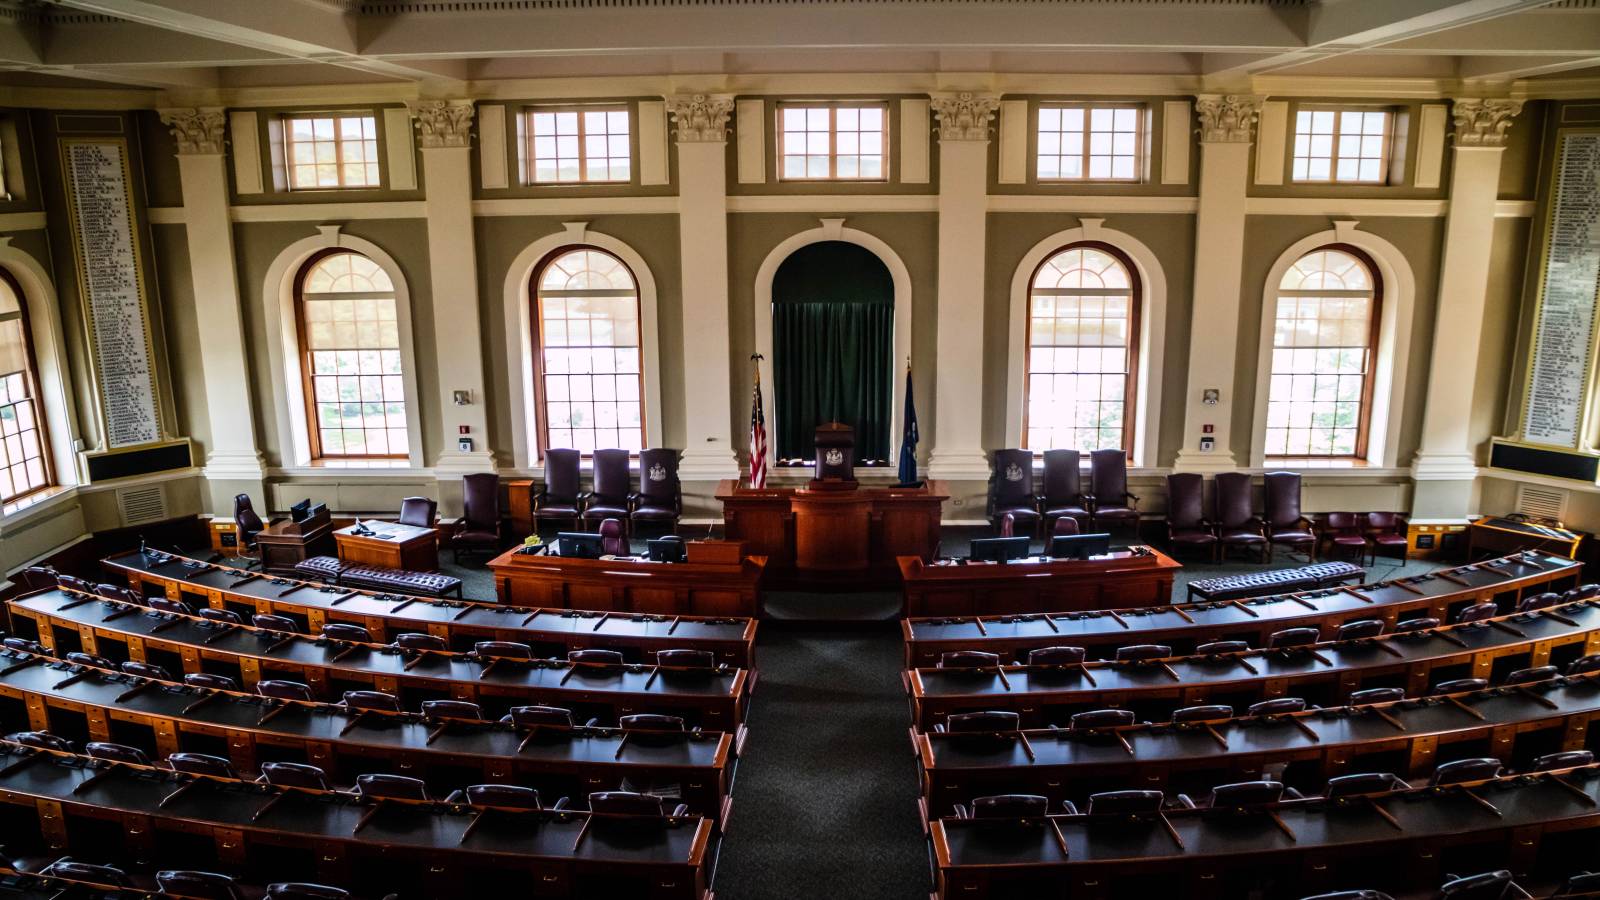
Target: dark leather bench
x=1277 y=581
x=379 y=578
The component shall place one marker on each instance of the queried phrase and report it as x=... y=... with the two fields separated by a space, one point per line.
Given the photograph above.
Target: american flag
x=758 y=438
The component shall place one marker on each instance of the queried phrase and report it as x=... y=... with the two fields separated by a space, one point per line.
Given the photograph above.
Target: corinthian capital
x=196 y=130
x=1227 y=118
x=1483 y=123
x=443 y=123
x=701 y=118
x=965 y=116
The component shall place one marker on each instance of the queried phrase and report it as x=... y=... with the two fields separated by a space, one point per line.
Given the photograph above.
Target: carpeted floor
x=824 y=802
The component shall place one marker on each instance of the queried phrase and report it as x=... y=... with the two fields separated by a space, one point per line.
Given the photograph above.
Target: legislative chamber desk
x=630 y=585
x=394 y=545
x=1185 y=626
x=1298 y=847
x=823 y=537
x=1037 y=584
x=167 y=717
x=426 y=849
x=550 y=632
x=1325 y=674
x=712 y=698
x=1406 y=737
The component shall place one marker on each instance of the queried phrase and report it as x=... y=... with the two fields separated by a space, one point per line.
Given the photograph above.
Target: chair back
x=547 y=716
x=502 y=650
x=399 y=787
x=280 y=689
x=371 y=700
x=1100 y=718
x=275 y=623
x=480 y=499
x=1185 y=500
x=1205 y=713
x=595 y=655
x=1282 y=501
x=1062 y=480
x=1361 y=628
x=686 y=658
x=1343 y=523
x=658 y=477
x=245 y=518
x=1110 y=470
x=1137 y=652
x=79 y=871
x=416 y=640
x=514 y=796
x=42 y=740
x=1383 y=522
x=208 y=680
x=146 y=670
x=1056 y=656
x=968 y=659
x=1066 y=525
x=626 y=803
x=346 y=631
x=1010 y=806
x=1377 y=695
x=1563 y=759
x=461 y=710
x=1125 y=802
x=121 y=753
x=1485 y=886
x=1234 y=504
x=198 y=885
x=305 y=890
x=290 y=774
x=1012 y=481
x=1277 y=706
x=983 y=721
x=418 y=511
x=1246 y=793
x=201 y=764
x=611 y=540
x=1362 y=783
x=651 y=722
x=1479 y=769
x=562 y=481
x=611 y=480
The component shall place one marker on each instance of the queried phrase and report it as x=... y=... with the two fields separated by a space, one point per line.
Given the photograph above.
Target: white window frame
x=1385 y=162
x=286 y=132
x=833 y=107
x=527 y=163
x=1141 y=142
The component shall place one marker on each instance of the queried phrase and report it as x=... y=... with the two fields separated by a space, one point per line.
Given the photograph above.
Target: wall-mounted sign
x=105 y=244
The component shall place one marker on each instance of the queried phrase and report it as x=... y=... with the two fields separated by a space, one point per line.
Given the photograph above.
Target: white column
x=957 y=453
x=702 y=129
x=233 y=461
x=1446 y=463
x=444 y=131
x=1226 y=124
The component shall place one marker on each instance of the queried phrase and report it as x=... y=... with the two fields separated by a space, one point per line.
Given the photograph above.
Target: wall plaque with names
x=1564 y=321
x=100 y=207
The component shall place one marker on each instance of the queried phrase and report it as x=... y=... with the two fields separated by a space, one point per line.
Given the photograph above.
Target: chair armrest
x=1185 y=802
x=562 y=803
x=961 y=811
x=1133 y=497
x=680 y=810
x=592 y=723
x=1069 y=807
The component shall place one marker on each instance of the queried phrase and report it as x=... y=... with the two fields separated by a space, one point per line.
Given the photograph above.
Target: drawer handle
x=550 y=879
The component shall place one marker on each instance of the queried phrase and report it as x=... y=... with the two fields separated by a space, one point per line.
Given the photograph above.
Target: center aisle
x=825 y=798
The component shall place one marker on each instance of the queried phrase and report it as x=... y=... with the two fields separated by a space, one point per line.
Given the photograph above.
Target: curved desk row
x=1406 y=737
x=1189 y=625
x=1322 y=673
x=1140 y=576
x=462 y=623
x=1295 y=847
x=169 y=717
x=434 y=849
x=711 y=698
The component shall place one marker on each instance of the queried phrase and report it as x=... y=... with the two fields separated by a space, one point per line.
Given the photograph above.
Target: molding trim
x=575 y=206
x=1067 y=203
x=199 y=131
x=833 y=203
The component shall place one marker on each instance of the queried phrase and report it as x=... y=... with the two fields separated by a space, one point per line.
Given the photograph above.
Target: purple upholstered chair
x=1066 y=526
x=480 y=515
x=560 y=499
x=609 y=499
x=1387 y=532
x=612 y=540
x=1113 y=505
x=1237 y=523
x=1285 y=523
x=1063 y=490
x=1343 y=531
x=1187 y=525
x=423 y=512
x=1011 y=490
x=660 y=497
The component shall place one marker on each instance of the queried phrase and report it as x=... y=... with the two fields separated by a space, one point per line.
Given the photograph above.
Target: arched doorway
x=833 y=310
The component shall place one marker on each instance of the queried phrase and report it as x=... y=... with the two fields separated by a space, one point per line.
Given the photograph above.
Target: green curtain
x=833 y=336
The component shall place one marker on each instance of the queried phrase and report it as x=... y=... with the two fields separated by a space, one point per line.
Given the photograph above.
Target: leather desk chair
x=383 y=786
x=1540 y=601
x=526 y=717
x=280 y=689
x=163 y=604
x=628 y=803
x=422 y=512
x=1208 y=713
x=1486 y=886
x=1062 y=497
x=968 y=659
x=1532 y=675
x=117 y=753
x=1352 y=895
x=613 y=538
x=1582 y=664
x=24 y=645
x=146 y=670
x=1066 y=526
x=1011 y=490
x=290 y=774
x=507 y=796
x=1387 y=532
x=609 y=498
x=67 y=867
x=376 y=700
x=1564 y=759
x=247 y=525
x=303 y=890
x=1583 y=884
x=503 y=650
x=686 y=659
x=1421 y=623
x=1478 y=612
x=651 y=722
x=451 y=710
x=201 y=764
x=1286 y=525
x=1459 y=686
x=1141 y=652
x=345 y=631
x=1100 y=718
x=1006 y=806
x=1187 y=525
x=40 y=740
x=208 y=680
x=660 y=496
x=1112 y=503
x=1460 y=770
x=275 y=623
x=982 y=722
x=1377 y=695
x=116 y=592
x=1363 y=783
x=560 y=498
x=595 y=655
x=480 y=515
x=1361 y=628
x=416 y=640
x=1125 y=803
x=220 y=616
x=1293 y=637
x=37 y=578
x=1245 y=794
x=1057 y=656
x=1277 y=706
x=1345 y=533
x=198 y=885
x=89 y=659
x=74 y=583
x=1237 y=524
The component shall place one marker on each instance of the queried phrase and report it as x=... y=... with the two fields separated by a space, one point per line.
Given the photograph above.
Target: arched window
x=24 y=463
x=350 y=349
x=1325 y=334
x=587 y=368
x=1083 y=339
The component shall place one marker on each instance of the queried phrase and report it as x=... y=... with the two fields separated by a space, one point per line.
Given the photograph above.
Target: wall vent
x=142 y=505
x=1544 y=502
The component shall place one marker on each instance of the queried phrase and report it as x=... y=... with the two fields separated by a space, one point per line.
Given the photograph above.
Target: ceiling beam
x=1510 y=68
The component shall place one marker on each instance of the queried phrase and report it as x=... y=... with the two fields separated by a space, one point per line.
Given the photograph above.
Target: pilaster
x=701 y=127
x=1446 y=463
x=964 y=127
x=233 y=462
x=1227 y=125
x=444 y=132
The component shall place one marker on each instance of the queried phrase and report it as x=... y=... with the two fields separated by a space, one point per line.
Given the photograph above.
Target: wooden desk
x=427 y=849
x=1324 y=674
x=550 y=632
x=629 y=585
x=822 y=537
x=285 y=544
x=1410 y=738
x=448 y=755
x=710 y=698
x=1493 y=534
x=391 y=544
x=1310 y=847
x=1186 y=626
x=1034 y=585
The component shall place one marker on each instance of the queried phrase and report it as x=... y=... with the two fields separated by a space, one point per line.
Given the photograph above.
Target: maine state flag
x=908 y=438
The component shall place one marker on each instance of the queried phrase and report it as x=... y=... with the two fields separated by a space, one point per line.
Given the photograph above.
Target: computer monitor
x=665 y=549
x=579 y=544
x=299 y=511
x=999 y=549
x=1079 y=546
